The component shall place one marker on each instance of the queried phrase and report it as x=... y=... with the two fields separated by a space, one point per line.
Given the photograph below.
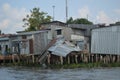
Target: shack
x=6 y=43
x=105 y=42
x=79 y=34
x=31 y=42
x=63 y=52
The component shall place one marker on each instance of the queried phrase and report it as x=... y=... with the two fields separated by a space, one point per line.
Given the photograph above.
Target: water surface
x=21 y=73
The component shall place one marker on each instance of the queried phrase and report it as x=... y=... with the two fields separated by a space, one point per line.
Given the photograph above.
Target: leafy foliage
x=70 y=20
x=34 y=20
x=78 y=21
x=117 y=23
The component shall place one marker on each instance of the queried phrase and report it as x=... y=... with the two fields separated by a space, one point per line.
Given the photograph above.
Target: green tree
x=34 y=20
x=70 y=20
x=117 y=23
x=78 y=21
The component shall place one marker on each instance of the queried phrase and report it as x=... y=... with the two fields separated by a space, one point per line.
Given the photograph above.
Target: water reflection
x=20 y=73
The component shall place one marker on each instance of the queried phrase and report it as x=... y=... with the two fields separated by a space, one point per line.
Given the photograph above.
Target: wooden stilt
x=108 y=58
x=27 y=59
x=113 y=59
x=85 y=58
x=100 y=58
x=68 y=60
x=3 y=58
x=48 y=60
x=92 y=58
x=76 y=60
x=117 y=58
x=13 y=59
x=96 y=57
x=89 y=58
x=104 y=59
x=33 y=58
x=18 y=58
x=61 y=60
x=82 y=57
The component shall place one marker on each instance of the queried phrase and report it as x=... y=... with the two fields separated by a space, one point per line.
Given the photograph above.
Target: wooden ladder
x=44 y=53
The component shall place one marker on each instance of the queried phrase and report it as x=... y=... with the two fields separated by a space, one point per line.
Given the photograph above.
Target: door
x=31 y=46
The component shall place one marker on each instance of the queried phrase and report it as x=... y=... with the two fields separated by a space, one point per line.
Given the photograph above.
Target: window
x=59 y=32
x=24 y=36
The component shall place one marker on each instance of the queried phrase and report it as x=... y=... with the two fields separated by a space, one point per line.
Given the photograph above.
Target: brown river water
x=22 y=73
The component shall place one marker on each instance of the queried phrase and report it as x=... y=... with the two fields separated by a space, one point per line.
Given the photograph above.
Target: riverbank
x=85 y=65
x=64 y=66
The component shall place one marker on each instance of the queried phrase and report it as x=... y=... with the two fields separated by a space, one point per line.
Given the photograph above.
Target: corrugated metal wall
x=106 y=40
x=40 y=41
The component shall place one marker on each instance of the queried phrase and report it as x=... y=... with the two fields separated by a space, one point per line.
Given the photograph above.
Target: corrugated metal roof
x=63 y=48
x=32 y=32
x=4 y=39
x=110 y=28
x=19 y=40
x=82 y=26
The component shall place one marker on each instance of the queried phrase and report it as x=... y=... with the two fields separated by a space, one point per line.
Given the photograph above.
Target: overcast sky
x=99 y=11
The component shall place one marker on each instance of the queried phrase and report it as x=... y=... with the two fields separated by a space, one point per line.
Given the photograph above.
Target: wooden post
x=113 y=59
x=118 y=58
x=3 y=58
x=61 y=60
x=49 y=55
x=85 y=58
x=92 y=58
x=89 y=57
x=96 y=57
x=82 y=57
x=33 y=58
x=18 y=58
x=27 y=59
x=101 y=58
x=13 y=59
x=76 y=60
x=68 y=60
x=110 y=58
x=104 y=59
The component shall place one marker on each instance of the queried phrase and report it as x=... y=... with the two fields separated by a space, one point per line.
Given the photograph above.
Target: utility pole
x=53 y=12
x=66 y=11
x=87 y=16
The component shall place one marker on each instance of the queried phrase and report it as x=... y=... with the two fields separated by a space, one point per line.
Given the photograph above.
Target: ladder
x=44 y=53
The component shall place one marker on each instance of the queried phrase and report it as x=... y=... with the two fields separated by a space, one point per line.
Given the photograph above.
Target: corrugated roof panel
x=62 y=49
x=4 y=39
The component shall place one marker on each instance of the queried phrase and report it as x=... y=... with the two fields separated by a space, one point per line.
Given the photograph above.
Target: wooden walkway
x=8 y=57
